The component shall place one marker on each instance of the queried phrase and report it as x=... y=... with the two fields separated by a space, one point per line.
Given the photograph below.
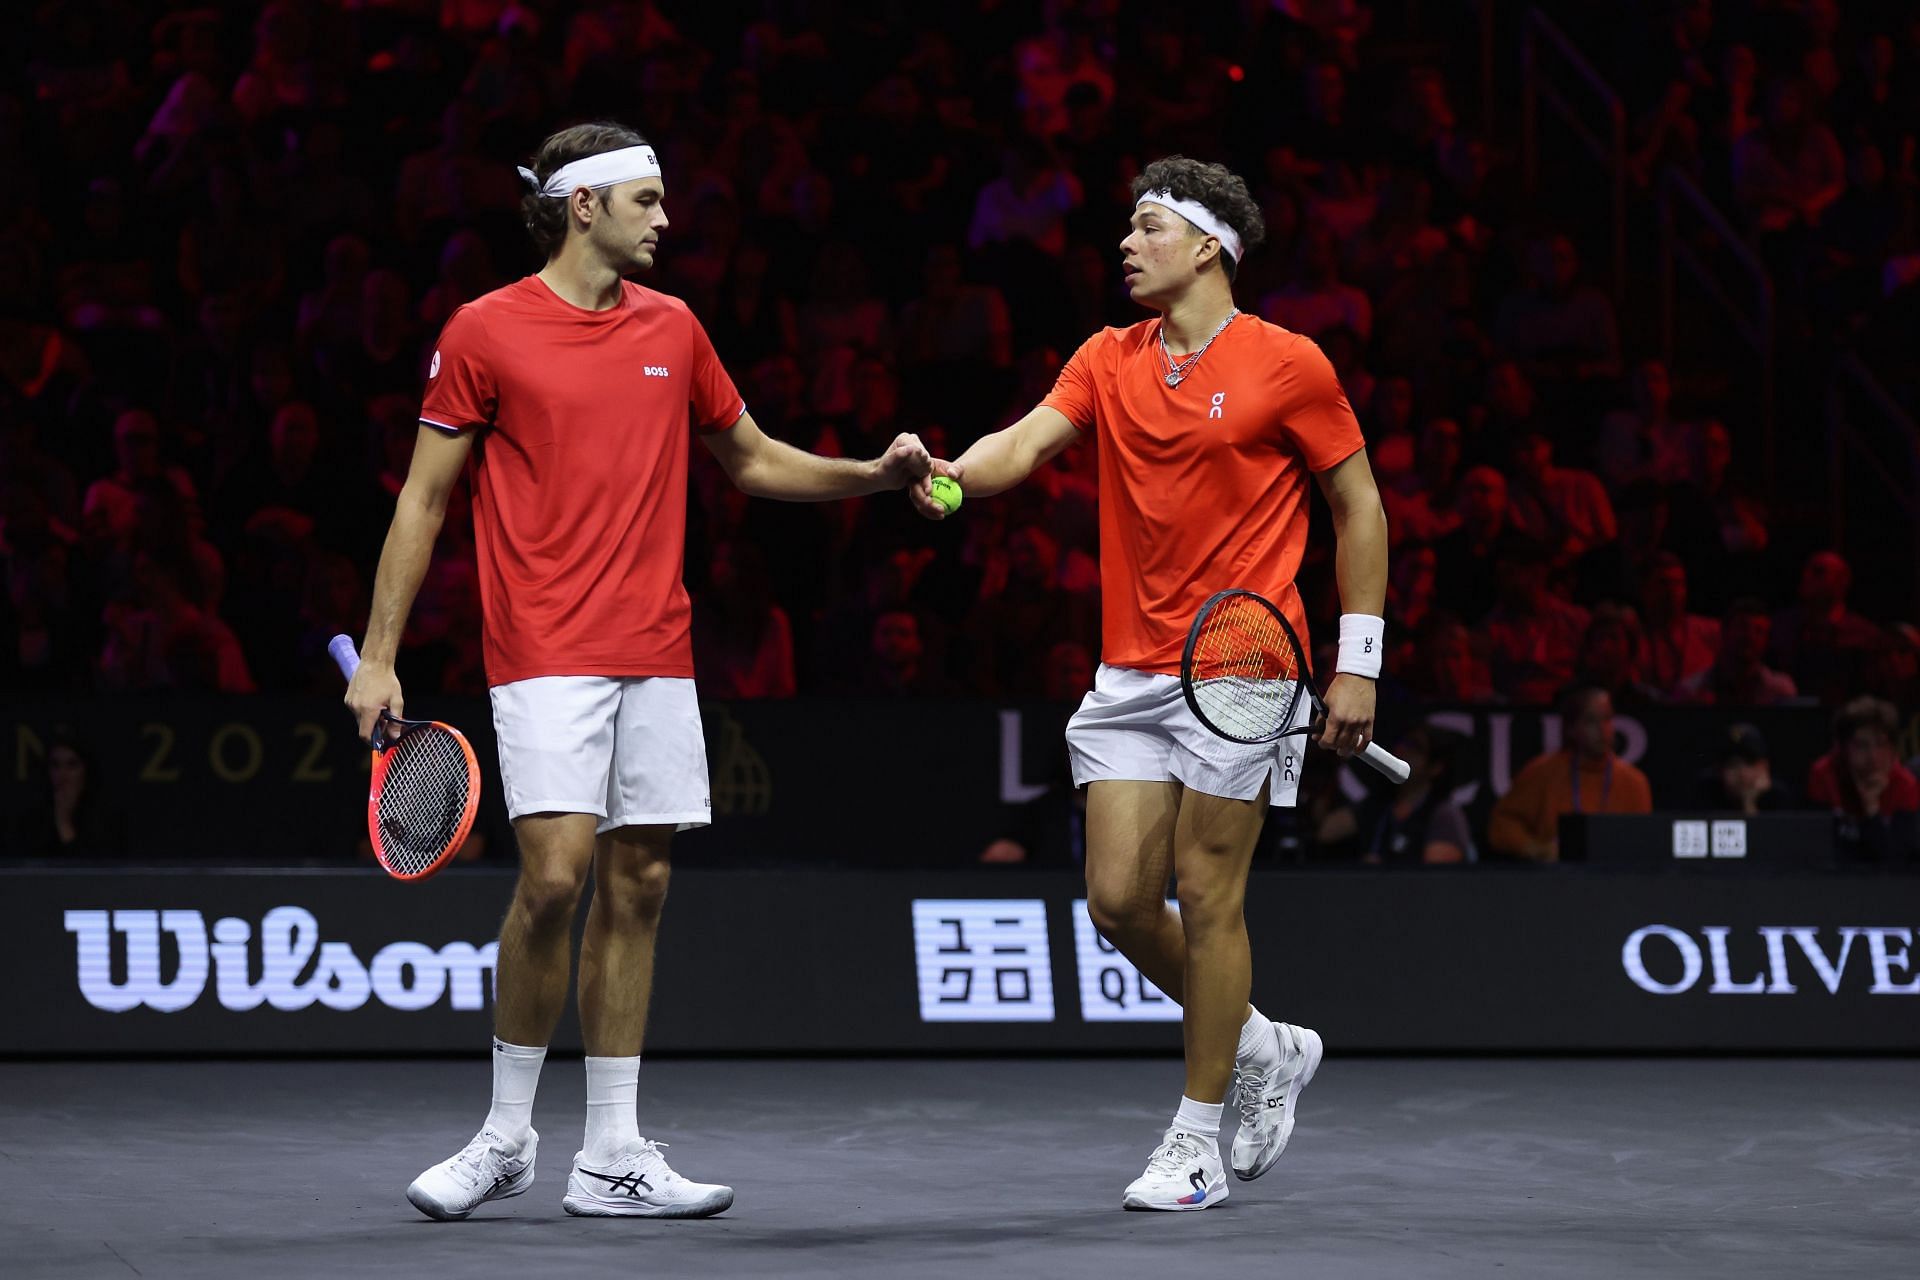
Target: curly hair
x=546 y=216
x=1223 y=192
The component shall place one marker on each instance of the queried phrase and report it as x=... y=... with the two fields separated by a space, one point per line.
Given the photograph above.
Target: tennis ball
x=946 y=492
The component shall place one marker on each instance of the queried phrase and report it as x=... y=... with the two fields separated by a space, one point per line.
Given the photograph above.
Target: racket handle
x=1386 y=762
x=345 y=656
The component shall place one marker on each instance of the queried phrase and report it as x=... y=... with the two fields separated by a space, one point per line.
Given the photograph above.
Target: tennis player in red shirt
x=574 y=393
x=1210 y=423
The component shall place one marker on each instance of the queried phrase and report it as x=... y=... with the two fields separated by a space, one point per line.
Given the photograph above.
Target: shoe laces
x=468 y=1165
x=1250 y=1086
x=648 y=1154
x=1173 y=1153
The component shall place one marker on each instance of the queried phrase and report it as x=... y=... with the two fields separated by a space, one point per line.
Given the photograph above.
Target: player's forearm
x=1360 y=559
x=996 y=463
x=778 y=470
x=403 y=566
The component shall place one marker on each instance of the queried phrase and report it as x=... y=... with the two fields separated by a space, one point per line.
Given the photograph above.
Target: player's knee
x=1121 y=913
x=637 y=892
x=1207 y=902
x=548 y=893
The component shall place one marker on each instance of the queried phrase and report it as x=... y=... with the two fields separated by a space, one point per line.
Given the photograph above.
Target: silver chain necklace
x=1177 y=372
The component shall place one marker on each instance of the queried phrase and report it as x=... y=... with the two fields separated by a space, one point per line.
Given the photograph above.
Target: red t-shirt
x=1830 y=784
x=580 y=473
x=1203 y=486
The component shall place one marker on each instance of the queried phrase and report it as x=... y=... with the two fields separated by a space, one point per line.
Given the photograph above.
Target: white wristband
x=1363 y=638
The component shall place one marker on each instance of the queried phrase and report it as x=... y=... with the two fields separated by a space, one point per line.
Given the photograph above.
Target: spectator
x=1464 y=570
x=466 y=272
x=1533 y=636
x=1681 y=646
x=1318 y=300
x=1611 y=654
x=1714 y=524
x=1391 y=446
x=1410 y=585
x=1444 y=666
x=1028 y=203
x=1644 y=449
x=1426 y=503
x=1893 y=673
x=1555 y=325
x=1743 y=780
x=897 y=665
x=953 y=323
x=1585 y=776
x=1026 y=616
x=1740 y=676
x=1511 y=410
x=111 y=510
x=287 y=485
x=1821 y=642
x=159 y=639
x=1872 y=795
x=1417 y=822
x=742 y=641
x=1786 y=172
x=75 y=821
x=1070 y=670
x=1564 y=509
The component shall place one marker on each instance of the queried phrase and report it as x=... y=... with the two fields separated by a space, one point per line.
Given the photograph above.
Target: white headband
x=1200 y=216
x=608 y=169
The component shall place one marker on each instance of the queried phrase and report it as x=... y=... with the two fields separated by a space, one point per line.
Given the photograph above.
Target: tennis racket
x=425 y=790
x=1244 y=672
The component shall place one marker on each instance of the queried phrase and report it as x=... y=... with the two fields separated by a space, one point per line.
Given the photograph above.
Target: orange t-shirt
x=579 y=473
x=1203 y=486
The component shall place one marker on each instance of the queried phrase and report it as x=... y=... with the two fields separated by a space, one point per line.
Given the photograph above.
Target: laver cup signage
x=285 y=962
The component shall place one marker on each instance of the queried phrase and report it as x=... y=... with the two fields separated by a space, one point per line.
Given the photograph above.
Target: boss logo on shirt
x=655 y=370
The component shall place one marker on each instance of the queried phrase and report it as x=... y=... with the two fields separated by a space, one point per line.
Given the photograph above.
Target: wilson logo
x=295 y=968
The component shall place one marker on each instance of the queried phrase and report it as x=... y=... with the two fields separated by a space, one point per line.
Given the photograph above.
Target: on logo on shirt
x=1219 y=405
x=655 y=370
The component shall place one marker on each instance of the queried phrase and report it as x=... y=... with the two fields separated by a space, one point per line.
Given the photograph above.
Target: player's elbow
x=422 y=505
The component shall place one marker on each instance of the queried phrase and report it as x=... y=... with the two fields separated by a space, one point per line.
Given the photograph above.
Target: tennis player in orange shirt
x=1209 y=423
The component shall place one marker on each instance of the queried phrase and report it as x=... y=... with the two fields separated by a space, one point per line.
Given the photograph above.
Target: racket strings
x=1246 y=672
x=423 y=799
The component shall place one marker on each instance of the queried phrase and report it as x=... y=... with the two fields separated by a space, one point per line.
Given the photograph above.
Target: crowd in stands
x=231 y=232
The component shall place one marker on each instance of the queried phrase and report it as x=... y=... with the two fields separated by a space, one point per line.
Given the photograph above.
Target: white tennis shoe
x=1183 y=1173
x=638 y=1183
x=490 y=1167
x=1267 y=1100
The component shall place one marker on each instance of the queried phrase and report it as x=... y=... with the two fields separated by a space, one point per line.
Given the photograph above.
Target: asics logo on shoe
x=630 y=1183
x=500 y=1182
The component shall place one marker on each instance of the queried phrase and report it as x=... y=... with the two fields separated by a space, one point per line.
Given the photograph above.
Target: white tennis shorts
x=1136 y=726
x=628 y=751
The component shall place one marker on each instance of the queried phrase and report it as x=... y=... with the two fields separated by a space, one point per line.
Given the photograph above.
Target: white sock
x=613 y=1087
x=1201 y=1119
x=516 y=1074
x=1259 y=1043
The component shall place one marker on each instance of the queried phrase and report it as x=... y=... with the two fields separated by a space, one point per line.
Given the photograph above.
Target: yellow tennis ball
x=946 y=492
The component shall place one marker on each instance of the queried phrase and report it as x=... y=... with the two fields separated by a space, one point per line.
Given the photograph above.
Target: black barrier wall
x=277 y=962
x=813 y=782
